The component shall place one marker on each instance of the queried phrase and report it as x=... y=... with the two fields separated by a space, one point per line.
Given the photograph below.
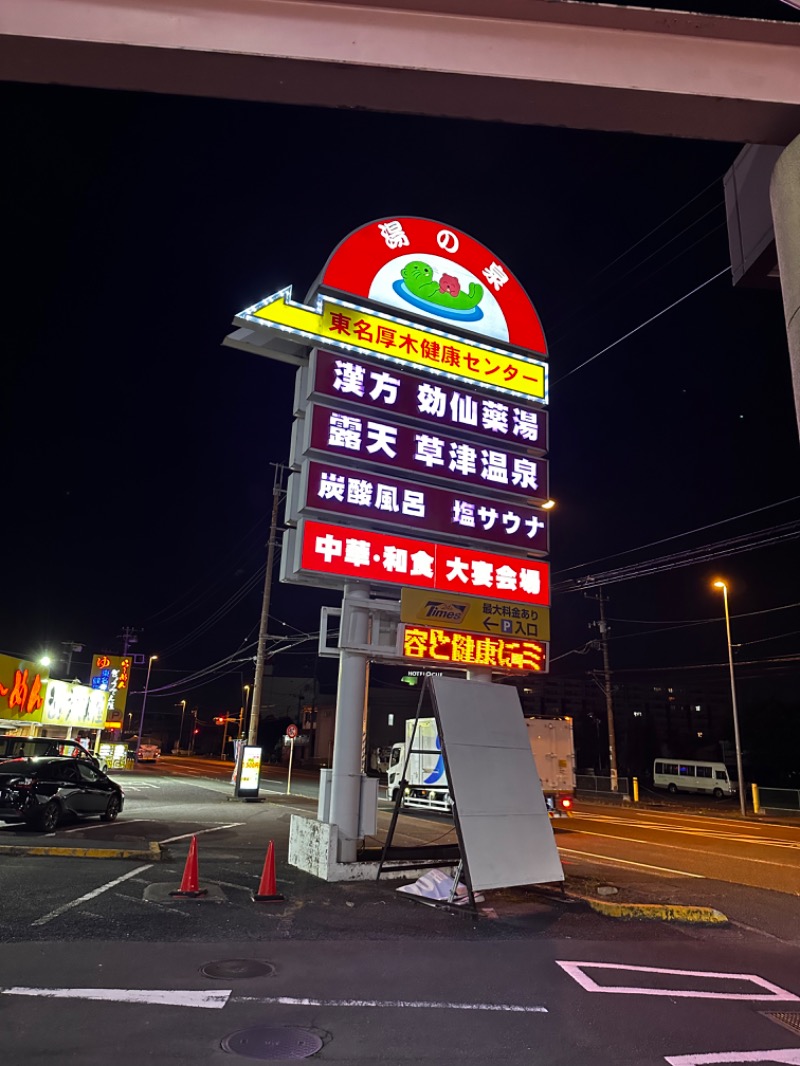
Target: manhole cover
x=276 y=1042
x=227 y=969
x=789 y=1019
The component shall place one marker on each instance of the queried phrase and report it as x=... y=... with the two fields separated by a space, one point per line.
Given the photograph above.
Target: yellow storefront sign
x=473 y=614
x=336 y=324
x=22 y=689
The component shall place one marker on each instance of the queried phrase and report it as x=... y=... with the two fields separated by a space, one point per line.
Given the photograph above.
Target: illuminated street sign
x=332 y=553
x=345 y=326
x=472 y=614
x=383 y=500
x=112 y=674
x=422 y=266
x=249 y=776
x=21 y=689
x=436 y=403
x=466 y=649
x=69 y=703
x=424 y=452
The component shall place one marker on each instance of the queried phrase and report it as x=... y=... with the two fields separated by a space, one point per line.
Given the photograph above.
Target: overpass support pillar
x=784 y=197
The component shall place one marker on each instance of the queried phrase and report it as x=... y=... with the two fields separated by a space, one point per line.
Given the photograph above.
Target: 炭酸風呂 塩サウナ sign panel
x=454 y=515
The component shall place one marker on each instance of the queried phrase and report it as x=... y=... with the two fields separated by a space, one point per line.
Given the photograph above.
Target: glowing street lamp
x=45 y=660
x=243 y=717
x=180 y=735
x=144 y=704
x=742 y=804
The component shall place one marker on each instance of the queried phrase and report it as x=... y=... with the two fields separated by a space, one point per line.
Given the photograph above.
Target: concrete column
x=784 y=195
x=347 y=744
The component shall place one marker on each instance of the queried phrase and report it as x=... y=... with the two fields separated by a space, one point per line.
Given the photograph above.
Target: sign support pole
x=350 y=696
x=289 y=776
x=258 y=679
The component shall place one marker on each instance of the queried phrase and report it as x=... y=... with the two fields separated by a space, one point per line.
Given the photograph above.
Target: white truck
x=426 y=775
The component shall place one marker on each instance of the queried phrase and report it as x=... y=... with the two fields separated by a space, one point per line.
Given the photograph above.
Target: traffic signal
x=219 y=721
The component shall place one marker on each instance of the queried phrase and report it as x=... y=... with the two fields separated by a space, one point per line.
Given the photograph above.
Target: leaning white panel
x=505 y=829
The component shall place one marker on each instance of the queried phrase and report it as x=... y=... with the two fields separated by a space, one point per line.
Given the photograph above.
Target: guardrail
x=779 y=800
x=590 y=786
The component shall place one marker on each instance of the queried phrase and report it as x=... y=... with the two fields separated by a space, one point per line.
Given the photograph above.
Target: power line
x=678 y=536
x=641 y=325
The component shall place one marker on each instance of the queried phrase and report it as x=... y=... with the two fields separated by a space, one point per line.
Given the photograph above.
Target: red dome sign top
x=420 y=267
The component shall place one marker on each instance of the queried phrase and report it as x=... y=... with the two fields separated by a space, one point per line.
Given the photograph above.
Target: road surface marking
x=214 y=998
x=739 y=837
x=611 y=861
x=217 y=998
x=152 y=903
x=102 y=825
x=776 y=994
x=789 y=1055
x=402 y=1004
x=199 y=832
x=673 y=847
x=90 y=895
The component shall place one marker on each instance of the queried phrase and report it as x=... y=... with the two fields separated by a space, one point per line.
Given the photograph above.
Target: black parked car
x=13 y=746
x=41 y=791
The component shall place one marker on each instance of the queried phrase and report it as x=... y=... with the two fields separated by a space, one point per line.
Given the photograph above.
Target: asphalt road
x=90 y=969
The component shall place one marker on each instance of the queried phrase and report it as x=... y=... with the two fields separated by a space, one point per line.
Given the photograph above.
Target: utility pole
x=603 y=630
x=128 y=636
x=263 y=629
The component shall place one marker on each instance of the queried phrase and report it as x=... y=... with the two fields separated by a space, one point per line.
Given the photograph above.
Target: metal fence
x=786 y=800
x=591 y=786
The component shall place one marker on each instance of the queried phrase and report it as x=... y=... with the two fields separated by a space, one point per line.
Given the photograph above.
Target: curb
x=151 y=854
x=657 y=912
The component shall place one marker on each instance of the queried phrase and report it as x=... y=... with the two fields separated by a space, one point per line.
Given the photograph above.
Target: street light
x=180 y=735
x=144 y=704
x=742 y=804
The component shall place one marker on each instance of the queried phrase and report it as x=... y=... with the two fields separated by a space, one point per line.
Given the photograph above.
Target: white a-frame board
x=504 y=827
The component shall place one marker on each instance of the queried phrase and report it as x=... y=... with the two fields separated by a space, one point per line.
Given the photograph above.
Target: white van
x=693 y=776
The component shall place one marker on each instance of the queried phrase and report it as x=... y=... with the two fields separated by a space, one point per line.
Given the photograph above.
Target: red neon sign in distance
x=384 y=558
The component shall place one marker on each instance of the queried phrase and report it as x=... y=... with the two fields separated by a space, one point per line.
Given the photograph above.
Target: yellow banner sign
x=22 y=688
x=473 y=614
x=336 y=324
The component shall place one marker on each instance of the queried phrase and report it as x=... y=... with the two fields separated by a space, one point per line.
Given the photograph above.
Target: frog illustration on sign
x=440 y=297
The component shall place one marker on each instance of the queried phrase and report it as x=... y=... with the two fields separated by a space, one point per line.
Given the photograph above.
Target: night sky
x=137 y=481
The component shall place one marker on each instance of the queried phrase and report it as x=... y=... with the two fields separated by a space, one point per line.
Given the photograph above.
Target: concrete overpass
x=537 y=62
x=542 y=62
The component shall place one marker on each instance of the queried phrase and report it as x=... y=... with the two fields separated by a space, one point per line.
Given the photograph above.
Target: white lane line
x=608 y=860
x=790 y=1056
x=152 y=903
x=199 y=832
x=226 y=884
x=678 y=847
x=402 y=1004
x=774 y=992
x=90 y=895
x=698 y=831
x=102 y=825
x=215 y=998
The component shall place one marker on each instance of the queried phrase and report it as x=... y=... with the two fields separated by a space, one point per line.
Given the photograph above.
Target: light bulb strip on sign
x=341 y=325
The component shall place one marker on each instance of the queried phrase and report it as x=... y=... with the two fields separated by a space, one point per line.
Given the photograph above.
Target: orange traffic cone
x=268 y=889
x=189 y=882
